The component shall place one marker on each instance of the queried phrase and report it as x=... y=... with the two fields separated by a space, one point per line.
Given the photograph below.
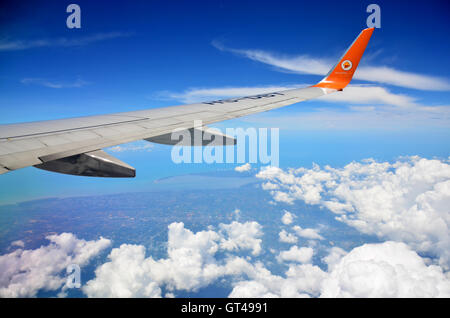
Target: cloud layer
x=190 y=265
x=24 y=272
x=404 y=201
x=389 y=269
x=196 y=260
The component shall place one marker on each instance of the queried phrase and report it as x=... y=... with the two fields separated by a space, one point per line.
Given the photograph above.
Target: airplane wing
x=73 y=146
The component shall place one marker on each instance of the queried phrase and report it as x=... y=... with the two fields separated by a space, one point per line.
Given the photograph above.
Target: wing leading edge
x=55 y=145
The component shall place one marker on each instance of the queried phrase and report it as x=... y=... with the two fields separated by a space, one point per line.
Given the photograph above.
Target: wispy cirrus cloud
x=354 y=94
x=305 y=64
x=361 y=107
x=17 y=45
x=54 y=84
x=356 y=118
x=365 y=94
x=387 y=75
x=193 y=95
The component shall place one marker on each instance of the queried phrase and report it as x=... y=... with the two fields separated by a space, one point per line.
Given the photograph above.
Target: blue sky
x=152 y=54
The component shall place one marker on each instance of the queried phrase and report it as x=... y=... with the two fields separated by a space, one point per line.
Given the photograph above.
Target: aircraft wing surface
x=74 y=145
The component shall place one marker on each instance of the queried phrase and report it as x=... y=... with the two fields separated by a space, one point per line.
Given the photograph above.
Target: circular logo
x=346 y=65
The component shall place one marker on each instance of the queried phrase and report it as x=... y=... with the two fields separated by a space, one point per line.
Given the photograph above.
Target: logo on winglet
x=346 y=65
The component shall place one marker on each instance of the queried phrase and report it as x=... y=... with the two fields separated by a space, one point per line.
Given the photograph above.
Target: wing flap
x=92 y=164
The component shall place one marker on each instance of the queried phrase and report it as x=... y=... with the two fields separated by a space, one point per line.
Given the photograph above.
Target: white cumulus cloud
x=287 y=218
x=243 y=168
x=406 y=201
x=190 y=265
x=296 y=254
x=24 y=272
x=312 y=234
x=241 y=236
x=390 y=269
x=286 y=237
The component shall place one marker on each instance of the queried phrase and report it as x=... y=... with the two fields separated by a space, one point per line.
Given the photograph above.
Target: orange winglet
x=341 y=74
